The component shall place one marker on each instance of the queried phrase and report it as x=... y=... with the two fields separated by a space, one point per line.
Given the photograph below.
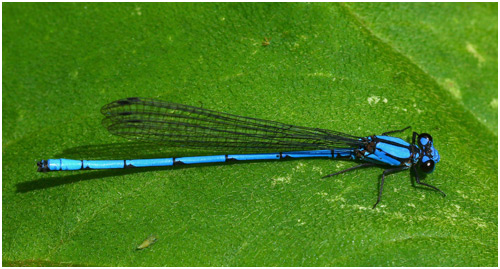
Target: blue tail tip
x=43 y=166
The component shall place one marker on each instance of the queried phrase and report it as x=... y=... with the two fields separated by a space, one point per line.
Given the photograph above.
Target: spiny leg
x=388 y=171
x=350 y=169
x=421 y=183
x=396 y=131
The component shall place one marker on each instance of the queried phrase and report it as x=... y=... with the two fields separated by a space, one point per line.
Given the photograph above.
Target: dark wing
x=187 y=126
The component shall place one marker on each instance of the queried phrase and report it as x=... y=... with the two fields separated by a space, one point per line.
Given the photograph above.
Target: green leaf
x=455 y=44
x=357 y=68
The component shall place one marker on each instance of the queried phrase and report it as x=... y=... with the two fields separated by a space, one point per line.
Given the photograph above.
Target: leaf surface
x=361 y=69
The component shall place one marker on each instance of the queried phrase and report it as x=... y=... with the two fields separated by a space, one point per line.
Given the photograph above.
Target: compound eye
x=427 y=167
x=424 y=136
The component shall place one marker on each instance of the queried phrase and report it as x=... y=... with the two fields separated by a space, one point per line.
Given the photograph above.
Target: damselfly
x=179 y=125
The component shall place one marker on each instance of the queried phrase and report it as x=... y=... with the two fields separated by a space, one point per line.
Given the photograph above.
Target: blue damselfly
x=179 y=125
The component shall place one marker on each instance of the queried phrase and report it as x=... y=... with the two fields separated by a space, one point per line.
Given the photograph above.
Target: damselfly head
x=429 y=154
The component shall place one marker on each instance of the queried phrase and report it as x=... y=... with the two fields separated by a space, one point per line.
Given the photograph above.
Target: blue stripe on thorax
x=390 y=151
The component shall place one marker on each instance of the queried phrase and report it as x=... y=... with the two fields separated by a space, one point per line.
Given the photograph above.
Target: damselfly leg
x=350 y=169
x=425 y=184
x=388 y=171
x=396 y=131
